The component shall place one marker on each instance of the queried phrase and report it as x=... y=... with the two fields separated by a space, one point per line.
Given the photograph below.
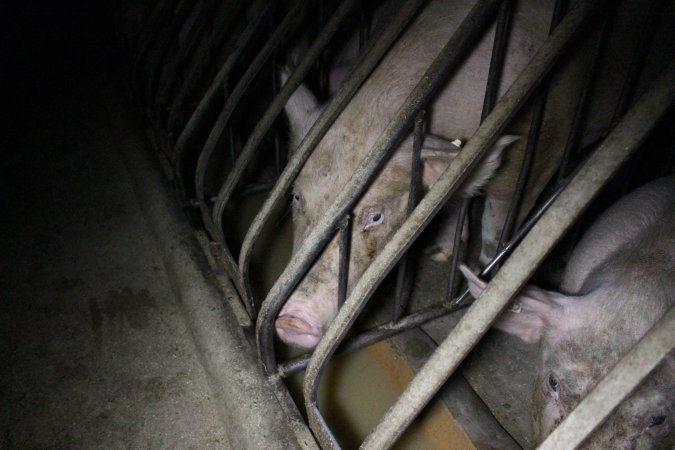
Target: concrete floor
x=95 y=350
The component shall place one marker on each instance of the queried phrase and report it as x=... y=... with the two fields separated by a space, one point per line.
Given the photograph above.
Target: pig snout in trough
x=454 y=114
x=620 y=280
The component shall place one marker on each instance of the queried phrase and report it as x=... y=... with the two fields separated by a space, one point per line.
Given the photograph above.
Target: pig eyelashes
x=373 y=219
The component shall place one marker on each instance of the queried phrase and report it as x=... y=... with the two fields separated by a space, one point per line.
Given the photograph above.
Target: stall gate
x=203 y=69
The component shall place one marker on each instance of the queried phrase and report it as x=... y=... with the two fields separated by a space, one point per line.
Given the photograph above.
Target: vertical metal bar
x=615 y=386
x=574 y=137
x=531 y=146
x=599 y=168
x=400 y=303
x=457 y=242
x=497 y=58
x=371 y=56
x=343 y=266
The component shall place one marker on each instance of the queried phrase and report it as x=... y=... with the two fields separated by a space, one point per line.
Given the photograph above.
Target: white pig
x=619 y=281
x=455 y=113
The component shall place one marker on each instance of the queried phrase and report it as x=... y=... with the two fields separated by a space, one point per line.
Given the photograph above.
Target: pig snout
x=304 y=318
x=298 y=329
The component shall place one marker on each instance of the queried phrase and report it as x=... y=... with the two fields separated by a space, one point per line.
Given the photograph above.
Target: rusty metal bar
x=208 y=101
x=615 y=386
x=264 y=124
x=450 y=58
x=209 y=147
x=599 y=168
x=367 y=62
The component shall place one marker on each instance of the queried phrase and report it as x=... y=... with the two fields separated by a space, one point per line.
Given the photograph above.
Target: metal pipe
x=366 y=64
x=615 y=386
x=275 y=108
x=590 y=179
x=450 y=58
x=209 y=147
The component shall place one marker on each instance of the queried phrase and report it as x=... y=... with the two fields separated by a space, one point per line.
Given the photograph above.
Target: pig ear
x=302 y=107
x=531 y=312
x=436 y=161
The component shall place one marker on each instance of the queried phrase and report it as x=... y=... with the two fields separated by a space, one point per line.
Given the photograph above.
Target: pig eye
x=374 y=219
x=655 y=421
x=553 y=383
x=296 y=200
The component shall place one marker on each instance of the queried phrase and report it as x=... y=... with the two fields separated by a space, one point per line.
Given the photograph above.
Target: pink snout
x=298 y=331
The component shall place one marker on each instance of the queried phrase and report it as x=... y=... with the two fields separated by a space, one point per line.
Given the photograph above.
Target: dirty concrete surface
x=95 y=350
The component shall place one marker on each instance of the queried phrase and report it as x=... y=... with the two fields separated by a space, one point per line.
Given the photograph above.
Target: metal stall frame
x=336 y=219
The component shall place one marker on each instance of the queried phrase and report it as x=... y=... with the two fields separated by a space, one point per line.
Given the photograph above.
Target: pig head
x=620 y=281
x=376 y=216
x=454 y=114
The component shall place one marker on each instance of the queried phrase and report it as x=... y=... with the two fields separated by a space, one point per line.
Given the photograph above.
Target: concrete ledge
x=251 y=413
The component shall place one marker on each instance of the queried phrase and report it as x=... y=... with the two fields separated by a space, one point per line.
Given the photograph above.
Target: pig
x=619 y=281
x=455 y=113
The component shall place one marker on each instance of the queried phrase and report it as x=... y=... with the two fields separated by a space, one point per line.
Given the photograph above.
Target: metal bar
x=208 y=101
x=574 y=137
x=615 y=386
x=497 y=57
x=590 y=179
x=274 y=109
x=149 y=32
x=449 y=58
x=457 y=242
x=199 y=63
x=401 y=303
x=209 y=147
x=343 y=266
x=532 y=139
x=367 y=62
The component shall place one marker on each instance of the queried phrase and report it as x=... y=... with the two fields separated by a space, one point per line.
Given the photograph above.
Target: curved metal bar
x=615 y=386
x=232 y=100
x=171 y=71
x=449 y=58
x=514 y=99
x=277 y=105
x=148 y=34
x=599 y=168
x=208 y=101
x=180 y=15
x=226 y=15
x=371 y=57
